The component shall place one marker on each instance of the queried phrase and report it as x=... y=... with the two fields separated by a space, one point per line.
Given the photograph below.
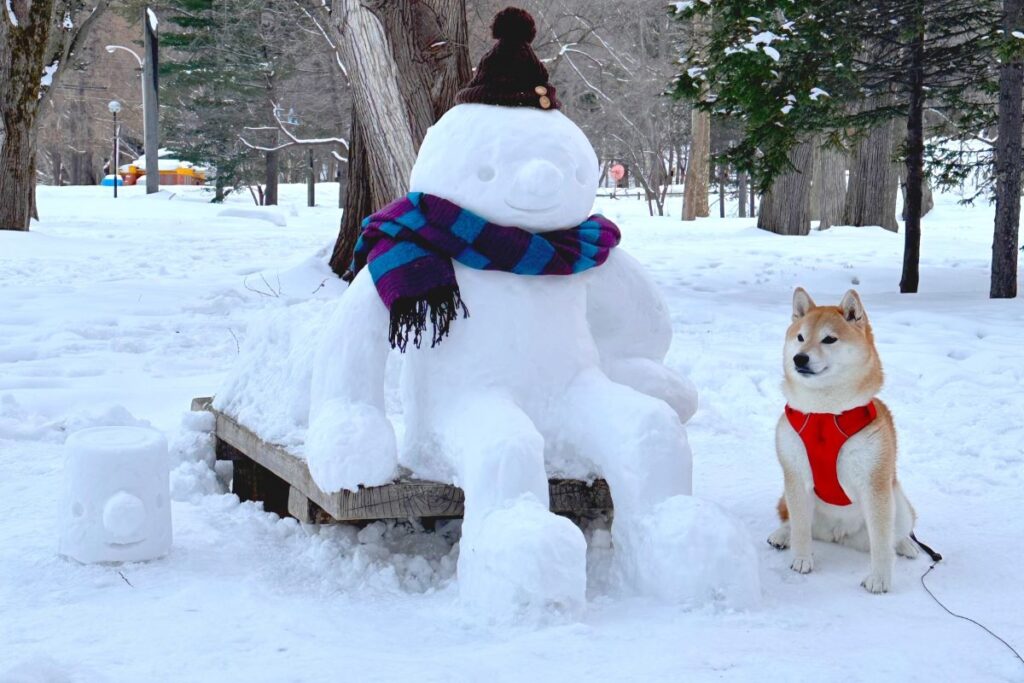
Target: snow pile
x=193 y=458
x=270 y=214
x=721 y=566
x=20 y=423
x=269 y=382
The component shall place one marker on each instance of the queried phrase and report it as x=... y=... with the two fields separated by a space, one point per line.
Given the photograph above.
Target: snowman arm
x=630 y=323
x=353 y=353
x=350 y=440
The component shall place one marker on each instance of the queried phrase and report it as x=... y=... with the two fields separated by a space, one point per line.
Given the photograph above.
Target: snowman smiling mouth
x=530 y=209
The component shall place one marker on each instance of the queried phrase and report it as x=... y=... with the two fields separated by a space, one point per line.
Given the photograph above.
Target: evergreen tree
x=789 y=70
x=225 y=60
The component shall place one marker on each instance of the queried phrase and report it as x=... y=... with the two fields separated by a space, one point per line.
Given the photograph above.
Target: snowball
x=115 y=505
x=699 y=554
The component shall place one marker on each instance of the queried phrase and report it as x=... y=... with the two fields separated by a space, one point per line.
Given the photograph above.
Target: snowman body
x=547 y=374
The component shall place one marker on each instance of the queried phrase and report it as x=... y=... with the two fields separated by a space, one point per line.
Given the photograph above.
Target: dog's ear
x=853 y=309
x=802 y=303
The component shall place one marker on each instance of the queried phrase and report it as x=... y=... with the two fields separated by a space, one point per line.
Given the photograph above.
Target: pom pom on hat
x=513 y=24
x=510 y=75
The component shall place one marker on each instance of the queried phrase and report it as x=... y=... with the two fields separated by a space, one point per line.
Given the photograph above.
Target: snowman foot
x=522 y=560
x=349 y=444
x=687 y=551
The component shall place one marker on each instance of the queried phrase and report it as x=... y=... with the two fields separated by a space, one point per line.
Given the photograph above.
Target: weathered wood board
x=268 y=472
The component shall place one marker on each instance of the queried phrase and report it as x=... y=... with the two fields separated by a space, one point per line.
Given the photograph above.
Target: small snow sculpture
x=116 y=503
x=529 y=349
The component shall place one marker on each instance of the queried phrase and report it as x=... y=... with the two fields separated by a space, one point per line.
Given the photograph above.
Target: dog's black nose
x=801 y=360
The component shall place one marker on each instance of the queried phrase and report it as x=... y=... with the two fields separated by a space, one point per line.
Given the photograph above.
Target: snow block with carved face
x=549 y=375
x=116 y=504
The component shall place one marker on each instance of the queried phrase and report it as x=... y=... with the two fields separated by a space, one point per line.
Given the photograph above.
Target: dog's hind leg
x=904 y=524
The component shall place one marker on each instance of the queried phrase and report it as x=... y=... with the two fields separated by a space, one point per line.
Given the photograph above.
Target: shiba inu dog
x=837 y=444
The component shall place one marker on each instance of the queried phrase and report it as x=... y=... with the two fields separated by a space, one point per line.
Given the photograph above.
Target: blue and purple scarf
x=409 y=246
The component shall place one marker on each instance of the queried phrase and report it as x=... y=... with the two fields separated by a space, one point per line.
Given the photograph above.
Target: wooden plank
x=305 y=510
x=402 y=499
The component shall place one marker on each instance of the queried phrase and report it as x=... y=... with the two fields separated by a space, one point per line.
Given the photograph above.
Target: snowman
x=532 y=347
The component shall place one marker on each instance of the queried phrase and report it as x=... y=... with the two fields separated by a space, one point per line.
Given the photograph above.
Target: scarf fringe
x=409 y=317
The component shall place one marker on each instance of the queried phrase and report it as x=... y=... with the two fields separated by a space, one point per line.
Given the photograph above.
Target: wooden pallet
x=269 y=473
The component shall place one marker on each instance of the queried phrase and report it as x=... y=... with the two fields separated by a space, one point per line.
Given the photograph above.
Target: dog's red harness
x=823 y=435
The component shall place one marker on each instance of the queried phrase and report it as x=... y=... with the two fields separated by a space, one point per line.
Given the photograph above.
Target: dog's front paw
x=906 y=548
x=876 y=583
x=779 y=539
x=803 y=565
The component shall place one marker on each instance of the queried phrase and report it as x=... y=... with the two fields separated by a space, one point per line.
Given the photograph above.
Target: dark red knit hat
x=510 y=74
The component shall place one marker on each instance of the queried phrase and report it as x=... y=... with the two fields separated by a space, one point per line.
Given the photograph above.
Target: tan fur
x=842 y=375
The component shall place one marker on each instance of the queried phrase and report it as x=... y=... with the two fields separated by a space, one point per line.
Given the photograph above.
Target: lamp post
x=115 y=107
x=150 y=97
x=142 y=81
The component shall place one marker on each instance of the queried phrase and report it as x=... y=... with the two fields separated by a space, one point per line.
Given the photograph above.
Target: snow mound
x=269 y=384
x=20 y=423
x=160 y=195
x=721 y=565
x=193 y=458
x=261 y=213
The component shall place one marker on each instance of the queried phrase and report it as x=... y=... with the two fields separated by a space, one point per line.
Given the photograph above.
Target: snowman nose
x=537 y=178
x=123 y=517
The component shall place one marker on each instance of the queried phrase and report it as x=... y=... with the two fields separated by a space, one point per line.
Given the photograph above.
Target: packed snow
x=116 y=501
x=118 y=312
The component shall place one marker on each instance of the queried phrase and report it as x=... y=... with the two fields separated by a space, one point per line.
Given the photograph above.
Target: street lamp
x=142 y=77
x=115 y=107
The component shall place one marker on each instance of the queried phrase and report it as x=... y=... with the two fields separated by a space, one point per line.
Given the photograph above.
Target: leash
x=936 y=558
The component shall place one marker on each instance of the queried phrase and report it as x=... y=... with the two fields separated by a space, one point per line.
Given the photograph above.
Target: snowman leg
x=515 y=555
x=639 y=445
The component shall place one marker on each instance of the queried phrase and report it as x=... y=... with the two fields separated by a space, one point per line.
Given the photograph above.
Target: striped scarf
x=410 y=243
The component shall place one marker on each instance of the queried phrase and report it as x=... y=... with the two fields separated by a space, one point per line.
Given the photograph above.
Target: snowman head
x=505 y=152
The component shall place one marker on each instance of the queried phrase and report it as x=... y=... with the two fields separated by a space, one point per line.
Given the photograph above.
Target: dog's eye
x=829 y=340
x=799 y=337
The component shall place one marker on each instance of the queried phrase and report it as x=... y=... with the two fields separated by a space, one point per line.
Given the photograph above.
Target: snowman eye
x=485 y=173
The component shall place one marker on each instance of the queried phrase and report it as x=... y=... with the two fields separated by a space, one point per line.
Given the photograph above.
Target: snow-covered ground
x=115 y=312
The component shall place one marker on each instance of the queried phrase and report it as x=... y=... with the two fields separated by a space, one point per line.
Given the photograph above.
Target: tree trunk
x=406 y=61
x=815 y=202
x=871 y=193
x=358 y=199
x=151 y=103
x=915 y=157
x=270 y=179
x=722 y=173
x=927 y=198
x=310 y=181
x=695 y=188
x=1008 y=164
x=22 y=50
x=741 y=182
x=831 y=178
x=786 y=206
x=753 y=201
